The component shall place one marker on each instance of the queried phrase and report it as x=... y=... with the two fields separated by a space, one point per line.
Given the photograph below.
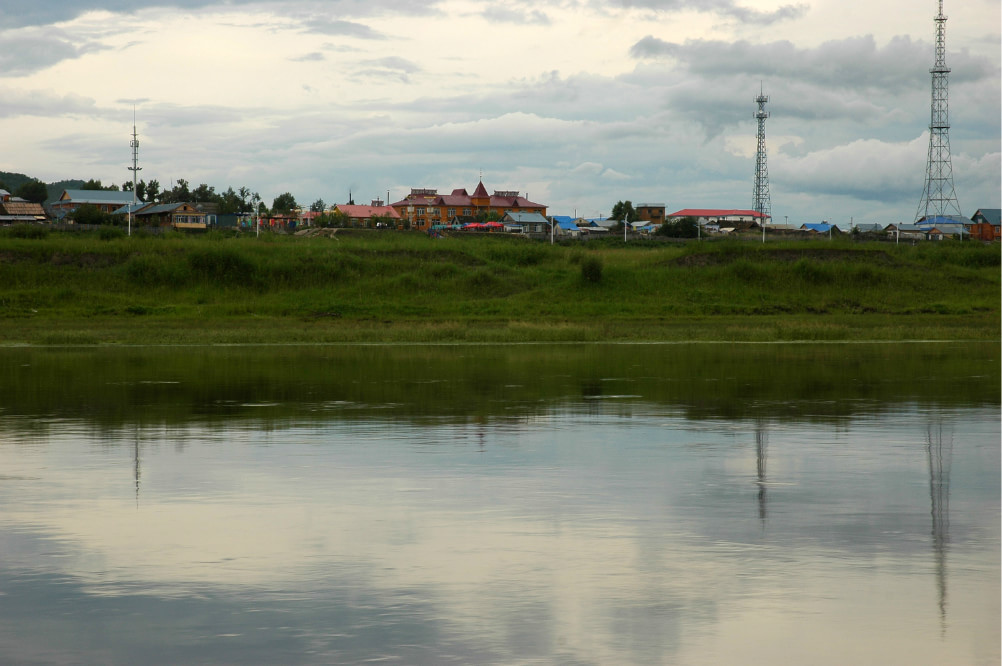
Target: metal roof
x=714 y=212
x=96 y=196
x=993 y=216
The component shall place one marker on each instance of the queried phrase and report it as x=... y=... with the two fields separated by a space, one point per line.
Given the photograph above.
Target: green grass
x=84 y=289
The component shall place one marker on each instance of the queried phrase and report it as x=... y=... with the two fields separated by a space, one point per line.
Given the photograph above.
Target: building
x=15 y=210
x=106 y=201
x=986 y=224
x=181 y=216
x=722 y=217
x=651 y=212
x=821 y=228
x=904 y=232
x=371 y=216
x=526 y=223
x=425 y=208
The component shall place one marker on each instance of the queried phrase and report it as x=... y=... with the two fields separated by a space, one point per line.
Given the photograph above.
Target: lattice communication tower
x=135 y=168
x=938 y=197
x=761 y=203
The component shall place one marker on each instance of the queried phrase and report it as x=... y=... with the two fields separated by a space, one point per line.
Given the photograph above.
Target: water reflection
x=761 y=444
x=572 y=520
x=940 y=450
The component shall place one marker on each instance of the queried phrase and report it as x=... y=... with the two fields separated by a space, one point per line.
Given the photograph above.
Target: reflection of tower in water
x=940 y=450
x=761 y=446
x=136 y=469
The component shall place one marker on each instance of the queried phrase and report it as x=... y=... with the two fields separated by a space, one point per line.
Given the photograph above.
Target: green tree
x=96 y=185
x=205 y=194
x=90 y=214
x=318 y=206
x=284 y=203
x=34 y=191
x=687 y=227
x=230 y=203
x=243 y=193
x=623 y=210
x=151 y=190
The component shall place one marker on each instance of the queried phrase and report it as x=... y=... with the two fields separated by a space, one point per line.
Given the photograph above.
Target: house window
x=467 y=212
x=451 y=213
x=420 y=211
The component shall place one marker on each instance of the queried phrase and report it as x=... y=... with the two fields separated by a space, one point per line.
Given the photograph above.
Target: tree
x=178 y=194
x=230 y=203
x=687 y=227
x=96 y=185
x=34 y=191
x=90 y=214
x=623 y=210
x=318 y=206
x=152 y=192
x=243 y=193
x=205 y=193
x=284 y=203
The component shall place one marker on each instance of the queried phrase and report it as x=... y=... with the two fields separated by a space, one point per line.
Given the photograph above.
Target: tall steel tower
x=135 y=168
x=938 y=196
x=760 y=202
x=135 y=156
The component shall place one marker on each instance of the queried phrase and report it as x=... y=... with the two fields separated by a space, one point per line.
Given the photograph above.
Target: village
x=501 y=211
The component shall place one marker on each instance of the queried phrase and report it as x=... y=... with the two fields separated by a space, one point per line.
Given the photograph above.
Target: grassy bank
x=80 y=289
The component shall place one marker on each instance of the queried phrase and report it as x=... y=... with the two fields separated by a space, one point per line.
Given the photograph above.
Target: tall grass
x=408 y=277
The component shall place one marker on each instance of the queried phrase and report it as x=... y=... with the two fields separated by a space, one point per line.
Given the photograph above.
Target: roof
x=365 y=212
x=96 y=196
x=820 y=227
x=993 y=216
x=24 y=208
x=481 y=191
x=124 y=210
x=164 y=208
x=649 y=205
x=714 y=212
x=566 y=225
x=941 y=219
x=534 y=218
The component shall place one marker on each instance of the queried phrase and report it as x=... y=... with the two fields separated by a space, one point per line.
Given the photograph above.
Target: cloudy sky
x=576 y=103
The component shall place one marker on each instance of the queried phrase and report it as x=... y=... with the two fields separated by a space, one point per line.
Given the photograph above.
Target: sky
x=577 y=104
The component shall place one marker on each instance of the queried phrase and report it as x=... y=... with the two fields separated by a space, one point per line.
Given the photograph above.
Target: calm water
x=569 y=504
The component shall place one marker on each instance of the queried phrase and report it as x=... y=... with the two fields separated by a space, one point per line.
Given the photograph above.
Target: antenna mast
x=135 y=166
x=938 y=196
x=760 y=200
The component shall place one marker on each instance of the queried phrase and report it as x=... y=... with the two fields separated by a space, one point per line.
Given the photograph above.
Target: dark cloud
x=16 y=13
x=46 y=104
x=853 y=63
x=29 y=51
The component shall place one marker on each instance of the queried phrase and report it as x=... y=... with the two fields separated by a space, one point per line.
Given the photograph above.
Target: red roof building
x=425 y=208
x=362 y=216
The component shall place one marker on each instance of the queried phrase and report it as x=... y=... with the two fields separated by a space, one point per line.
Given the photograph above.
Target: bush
x=111 y=233
x=222 y=264
x=31 y=231
x=591 y=269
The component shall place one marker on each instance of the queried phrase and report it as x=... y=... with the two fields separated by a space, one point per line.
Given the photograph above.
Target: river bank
x=405 y=287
